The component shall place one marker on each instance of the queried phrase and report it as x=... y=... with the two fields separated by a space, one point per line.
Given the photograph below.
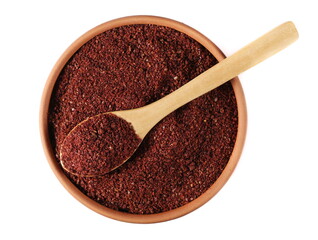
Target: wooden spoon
x=83 y=153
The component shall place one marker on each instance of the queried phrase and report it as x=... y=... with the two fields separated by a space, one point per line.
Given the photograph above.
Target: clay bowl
x=127 y=217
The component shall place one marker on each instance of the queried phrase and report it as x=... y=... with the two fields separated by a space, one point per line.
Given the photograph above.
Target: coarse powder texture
x=98 y=145
x=132 y=66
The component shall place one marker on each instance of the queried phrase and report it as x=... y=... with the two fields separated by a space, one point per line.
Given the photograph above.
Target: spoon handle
x=146 y=117
x=247 y=57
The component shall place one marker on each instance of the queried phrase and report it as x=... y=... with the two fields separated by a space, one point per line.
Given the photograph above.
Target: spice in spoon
x=98 y=145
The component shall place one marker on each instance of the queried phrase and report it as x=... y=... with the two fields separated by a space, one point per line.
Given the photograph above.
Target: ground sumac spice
x=98 y=145
x=132 y=66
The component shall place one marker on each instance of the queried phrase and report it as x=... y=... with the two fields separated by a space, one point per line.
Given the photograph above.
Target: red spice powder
x=132 y=66
x=98 y=145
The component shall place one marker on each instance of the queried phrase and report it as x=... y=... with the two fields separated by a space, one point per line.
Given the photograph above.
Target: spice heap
x=132 y=66
x=98 y=145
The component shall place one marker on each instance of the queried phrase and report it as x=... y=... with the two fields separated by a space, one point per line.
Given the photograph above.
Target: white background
x=273 y=193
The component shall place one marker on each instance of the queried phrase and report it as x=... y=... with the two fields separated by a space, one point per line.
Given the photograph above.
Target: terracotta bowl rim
x=122 y=216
